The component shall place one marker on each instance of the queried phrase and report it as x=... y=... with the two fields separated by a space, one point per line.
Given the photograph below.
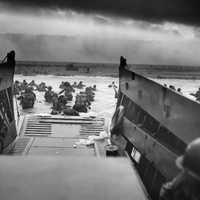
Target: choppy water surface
x=103 y=105
x=105 y=102
x=187 y=85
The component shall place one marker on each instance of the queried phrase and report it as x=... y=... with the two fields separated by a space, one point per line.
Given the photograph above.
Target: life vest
x=116 y=122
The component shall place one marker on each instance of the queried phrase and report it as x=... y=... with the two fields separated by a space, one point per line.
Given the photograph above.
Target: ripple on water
x=103 y=105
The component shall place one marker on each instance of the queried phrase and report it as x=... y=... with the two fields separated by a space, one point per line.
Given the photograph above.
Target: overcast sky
x=101 y=31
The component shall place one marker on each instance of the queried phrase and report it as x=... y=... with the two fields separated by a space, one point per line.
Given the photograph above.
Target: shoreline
x=106 y=70
x=181 y=77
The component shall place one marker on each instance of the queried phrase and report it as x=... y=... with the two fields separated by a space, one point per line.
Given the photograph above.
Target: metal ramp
x=20 y=146
x=58 y=135
x=34 y=126
x=50 y=178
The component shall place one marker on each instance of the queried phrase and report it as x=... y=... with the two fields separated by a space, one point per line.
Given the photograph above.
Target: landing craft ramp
x=71 y=178
x=60 y=166
x=76 y=174
x=59 y=135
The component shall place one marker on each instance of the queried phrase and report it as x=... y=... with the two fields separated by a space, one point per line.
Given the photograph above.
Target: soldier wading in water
x=186 y=185
x=27 y=99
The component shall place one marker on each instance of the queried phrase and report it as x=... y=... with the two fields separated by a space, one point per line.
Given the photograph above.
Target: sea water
x=105 y=101
x=187 y=86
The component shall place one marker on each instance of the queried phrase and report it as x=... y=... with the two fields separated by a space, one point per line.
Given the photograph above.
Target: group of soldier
x=19 y=87
x=25 y=93
x=196 y=94
x=84 y=99
x=172 y=87
x=59 y=101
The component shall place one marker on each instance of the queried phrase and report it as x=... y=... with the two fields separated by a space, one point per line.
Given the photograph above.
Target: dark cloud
x=181 y=11
x=91 y=49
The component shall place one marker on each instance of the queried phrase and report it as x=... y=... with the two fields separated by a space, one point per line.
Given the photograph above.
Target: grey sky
x=63 y=35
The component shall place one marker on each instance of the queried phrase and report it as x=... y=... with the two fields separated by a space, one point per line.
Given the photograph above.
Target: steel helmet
x=28 y=89
x=190 y=161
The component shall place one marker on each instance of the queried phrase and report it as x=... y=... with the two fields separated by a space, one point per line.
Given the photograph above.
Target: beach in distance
x=28 y=68
x=101 y=74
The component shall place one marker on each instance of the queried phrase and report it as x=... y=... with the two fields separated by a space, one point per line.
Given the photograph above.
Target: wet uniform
x=27 y=99
x=182 y=187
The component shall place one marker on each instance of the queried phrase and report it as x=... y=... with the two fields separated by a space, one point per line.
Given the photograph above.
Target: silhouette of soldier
x=186 y=185
x=122 y=61
x=48 y=94
x=11 y=57
x=28 y=98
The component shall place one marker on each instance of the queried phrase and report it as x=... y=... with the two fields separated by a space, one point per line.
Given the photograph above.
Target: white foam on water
x=104 y=103
x=187 y=86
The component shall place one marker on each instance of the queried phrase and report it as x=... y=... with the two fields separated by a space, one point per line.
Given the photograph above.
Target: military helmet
x=66 y=84
x=28 y=89
x=190 y=161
